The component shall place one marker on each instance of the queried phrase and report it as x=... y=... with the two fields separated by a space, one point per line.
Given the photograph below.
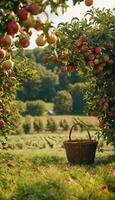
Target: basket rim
x=78 y=141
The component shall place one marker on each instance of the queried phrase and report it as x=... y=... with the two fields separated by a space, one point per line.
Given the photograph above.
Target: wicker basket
x=80 y=151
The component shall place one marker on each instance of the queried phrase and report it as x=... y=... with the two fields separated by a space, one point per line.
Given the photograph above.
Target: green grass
x=47 y=141
x=46 y=175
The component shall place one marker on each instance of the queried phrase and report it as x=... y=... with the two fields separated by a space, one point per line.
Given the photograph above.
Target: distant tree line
x=50 y=86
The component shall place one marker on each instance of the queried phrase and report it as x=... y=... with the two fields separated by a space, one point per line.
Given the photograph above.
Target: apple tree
x=17 y=18
x=87 y=47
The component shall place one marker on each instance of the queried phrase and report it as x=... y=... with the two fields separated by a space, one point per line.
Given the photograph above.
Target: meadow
x=46 y=175
x=35 y=167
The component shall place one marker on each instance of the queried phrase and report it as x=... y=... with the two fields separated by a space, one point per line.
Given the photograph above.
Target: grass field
x=48 y=141
x=35 y=167
x=46 y=175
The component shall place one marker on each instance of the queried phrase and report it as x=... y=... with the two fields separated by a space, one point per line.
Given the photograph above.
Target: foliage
x=28 y=125
x=64 y=125
x=35 y=108
x=43 y=86
x=63 y=102
x=89 y=49
x=38 y=125
x=76 y=91
x=51 y=125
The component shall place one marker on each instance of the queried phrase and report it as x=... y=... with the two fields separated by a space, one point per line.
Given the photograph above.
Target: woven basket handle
x=85 y=125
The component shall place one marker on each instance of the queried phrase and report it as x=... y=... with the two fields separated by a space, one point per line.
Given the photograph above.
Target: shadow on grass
x=47 y=160
x=105 y=159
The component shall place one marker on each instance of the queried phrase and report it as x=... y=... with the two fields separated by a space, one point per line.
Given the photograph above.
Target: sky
x=74 y=11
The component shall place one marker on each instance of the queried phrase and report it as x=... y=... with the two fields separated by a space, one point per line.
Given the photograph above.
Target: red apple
x=13 y=27
x=23 y=14
x=2 y=122
x=35 y=8
x=8 y=40
x=83 y=38
x=8 y=64
x=24 y=42
x=106 y=58
x=88 y=2
x=98 y=50
x=2 y=53
x=109 y=46
x=90 y=63
x=91 y=56
x=99 y=68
